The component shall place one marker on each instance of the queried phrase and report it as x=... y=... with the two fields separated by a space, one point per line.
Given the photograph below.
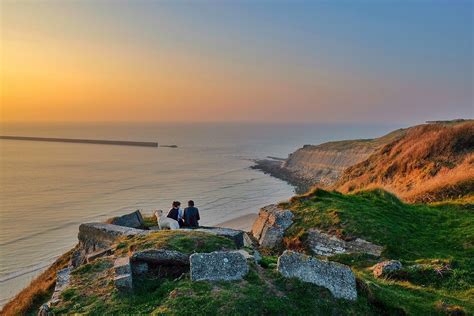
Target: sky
x=261 y=61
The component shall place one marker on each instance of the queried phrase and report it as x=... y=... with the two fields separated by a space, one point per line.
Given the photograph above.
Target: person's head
x=176 y=204
x=190 y=203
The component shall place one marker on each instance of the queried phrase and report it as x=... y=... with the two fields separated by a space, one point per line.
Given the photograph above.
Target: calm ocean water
x=48 y=189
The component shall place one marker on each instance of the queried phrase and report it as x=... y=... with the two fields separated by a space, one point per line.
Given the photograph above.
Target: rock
x=237 y=236
x=327 y=245
x=123 y=282
x=132 y=220
x=270 y=225
x=384 y=268
x=122 y=266
x=98 y=254
x=95 y=236
x=160 y=263
x=44 y=310
x=62 y=281
x=218 y=266
x=248 y=242
x=334 y=276
x=123 y=279
x=161 y=256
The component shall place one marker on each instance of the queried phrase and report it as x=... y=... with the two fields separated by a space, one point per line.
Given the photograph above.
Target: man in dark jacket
x=191 y=215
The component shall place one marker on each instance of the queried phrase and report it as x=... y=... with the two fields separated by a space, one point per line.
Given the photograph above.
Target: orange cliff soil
x=429 y=163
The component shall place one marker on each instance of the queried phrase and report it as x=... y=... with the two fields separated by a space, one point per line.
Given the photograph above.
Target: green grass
x=262 y=292
x=434 y=242
x=431 y=235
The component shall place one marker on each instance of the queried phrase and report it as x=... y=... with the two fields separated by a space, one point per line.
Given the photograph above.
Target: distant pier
x=82 y=141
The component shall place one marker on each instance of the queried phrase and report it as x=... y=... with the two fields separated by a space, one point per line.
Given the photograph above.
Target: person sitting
x=191 y=215
x=176 y=213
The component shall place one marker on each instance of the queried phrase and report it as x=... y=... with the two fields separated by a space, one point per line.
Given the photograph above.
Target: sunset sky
x=276 y=61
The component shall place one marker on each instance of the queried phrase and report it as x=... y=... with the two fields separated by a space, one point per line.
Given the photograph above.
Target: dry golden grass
x=429 y=163
x=38 y=291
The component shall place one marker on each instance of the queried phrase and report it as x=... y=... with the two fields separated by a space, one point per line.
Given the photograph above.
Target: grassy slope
x=436 y=236
x=429 y=163
x=38 y=291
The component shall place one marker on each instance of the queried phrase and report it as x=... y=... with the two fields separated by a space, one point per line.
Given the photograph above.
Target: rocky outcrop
x=337 y=278
x=270 y=225
x=218 y=266
x=385 y=268
x=327 y=245
x=132 y=220
x=237 y=236
x=323 y=164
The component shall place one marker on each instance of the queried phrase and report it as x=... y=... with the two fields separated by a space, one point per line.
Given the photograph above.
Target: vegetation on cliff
x=437 y=241
x=429 y=163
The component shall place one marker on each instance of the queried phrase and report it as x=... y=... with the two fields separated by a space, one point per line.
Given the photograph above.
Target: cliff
x=323 y=164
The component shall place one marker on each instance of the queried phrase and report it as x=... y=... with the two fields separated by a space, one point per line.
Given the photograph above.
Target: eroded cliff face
x=321 y=165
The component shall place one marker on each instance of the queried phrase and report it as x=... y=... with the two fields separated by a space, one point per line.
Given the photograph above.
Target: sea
x=48 y=189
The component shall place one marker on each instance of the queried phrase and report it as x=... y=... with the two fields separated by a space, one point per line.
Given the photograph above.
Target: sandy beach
x=243 y=223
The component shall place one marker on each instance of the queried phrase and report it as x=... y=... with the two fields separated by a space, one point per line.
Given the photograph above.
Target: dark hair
x=176 y=203
x=191 y=203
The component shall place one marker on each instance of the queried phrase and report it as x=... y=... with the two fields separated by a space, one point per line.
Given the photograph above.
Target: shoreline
x=273 y=167
x=244 y=222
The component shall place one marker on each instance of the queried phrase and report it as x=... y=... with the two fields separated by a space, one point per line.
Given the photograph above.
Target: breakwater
x=82 y=141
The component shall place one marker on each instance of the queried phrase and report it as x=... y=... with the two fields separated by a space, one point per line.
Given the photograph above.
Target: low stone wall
x=95 y=236
x=270 y=225
x=327 y=245
x=334 y=276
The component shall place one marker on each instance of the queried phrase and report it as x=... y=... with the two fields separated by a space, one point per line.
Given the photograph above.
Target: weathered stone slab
x=218 y=266
x=160 y=256
x=122 y=265
x=123 y=279
x=95 y=236
x=62 y=281
x=132 y=220
x=159 y=262
x=327 y=245
x=271 y=224
x=123 y=282
x=384 y=268
x=98 y=254
x=334 y=276
x=237 y=236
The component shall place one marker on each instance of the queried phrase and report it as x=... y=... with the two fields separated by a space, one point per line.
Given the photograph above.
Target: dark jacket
x=191 y=217
x=173 y=213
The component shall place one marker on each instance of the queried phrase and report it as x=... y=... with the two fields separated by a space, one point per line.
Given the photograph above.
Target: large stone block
x=334 y=276
x=123 y=282
x=95 y=236
x=270 y=225
x=132 y=220
x=237 y=236
x=327 y=245
x=218 y=266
